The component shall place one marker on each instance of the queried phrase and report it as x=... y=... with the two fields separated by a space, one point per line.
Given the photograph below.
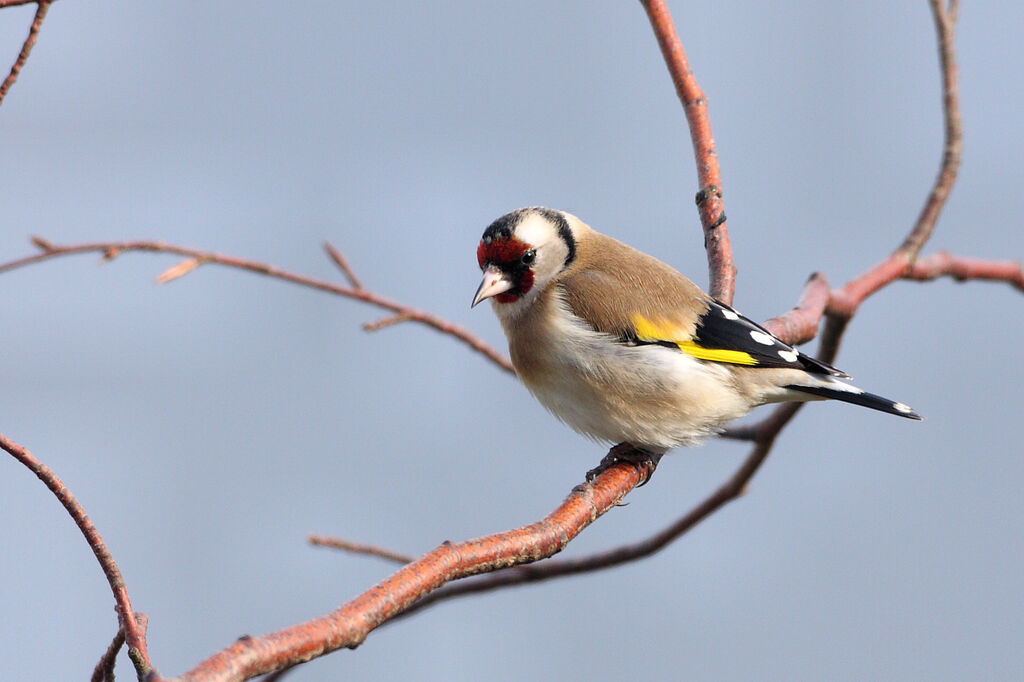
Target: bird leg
x=627 y=453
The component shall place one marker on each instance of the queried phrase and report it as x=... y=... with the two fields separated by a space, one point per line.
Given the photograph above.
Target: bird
x=625 y=349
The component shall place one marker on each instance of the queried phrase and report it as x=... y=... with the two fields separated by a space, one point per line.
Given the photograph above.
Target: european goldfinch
x=624 y=349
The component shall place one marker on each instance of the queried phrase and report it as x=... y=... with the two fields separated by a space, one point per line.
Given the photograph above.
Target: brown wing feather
x=607 y=292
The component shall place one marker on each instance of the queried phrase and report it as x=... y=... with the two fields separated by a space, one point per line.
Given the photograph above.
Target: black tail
x=858 y=397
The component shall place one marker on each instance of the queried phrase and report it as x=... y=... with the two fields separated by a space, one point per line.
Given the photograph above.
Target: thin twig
x=42 y=7
x=134 y=630
x=357 y=548
x=385 y=322
x=111 y=250
x=339 y=259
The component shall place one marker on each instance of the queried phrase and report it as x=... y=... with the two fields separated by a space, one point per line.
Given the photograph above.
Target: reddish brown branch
x=945 y=21
x=196 y=258
x=42 y=7
x=349 y=625
x=134 y=630
x=722 y=269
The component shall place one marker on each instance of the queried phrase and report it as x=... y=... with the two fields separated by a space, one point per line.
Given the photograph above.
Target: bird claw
x=625 y=453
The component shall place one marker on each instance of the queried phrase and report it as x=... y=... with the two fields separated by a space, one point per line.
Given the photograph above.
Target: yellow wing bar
x=661 y=331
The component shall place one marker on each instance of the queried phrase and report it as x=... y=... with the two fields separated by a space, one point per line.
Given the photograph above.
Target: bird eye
x=528 y=257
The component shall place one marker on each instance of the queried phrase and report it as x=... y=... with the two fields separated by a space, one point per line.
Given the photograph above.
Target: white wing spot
x=762 y=338
x=788 y=355
x=900 y=407
x=729 y=315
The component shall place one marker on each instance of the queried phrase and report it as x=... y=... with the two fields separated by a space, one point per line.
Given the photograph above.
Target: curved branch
x=132 y=626
x=945 y=22
x=196 y=258
x=722 y=269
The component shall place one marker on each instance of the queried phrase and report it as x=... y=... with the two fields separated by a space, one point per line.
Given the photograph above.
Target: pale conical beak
x=494 y=282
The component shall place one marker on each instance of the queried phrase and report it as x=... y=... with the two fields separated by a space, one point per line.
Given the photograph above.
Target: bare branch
x=42 y=7
x=945 y=21
x=134 y=630
x=111 y=250
x=722 y=269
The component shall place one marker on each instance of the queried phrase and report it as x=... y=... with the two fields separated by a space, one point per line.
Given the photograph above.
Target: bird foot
x=626 y=453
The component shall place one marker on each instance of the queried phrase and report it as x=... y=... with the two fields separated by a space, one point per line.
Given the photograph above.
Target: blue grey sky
x=210 y=424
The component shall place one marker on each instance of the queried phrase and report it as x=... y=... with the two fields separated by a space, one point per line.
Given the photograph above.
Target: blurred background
x=210 y=424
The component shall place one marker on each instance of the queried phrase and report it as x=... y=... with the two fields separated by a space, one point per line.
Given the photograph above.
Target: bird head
x=521 y=252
